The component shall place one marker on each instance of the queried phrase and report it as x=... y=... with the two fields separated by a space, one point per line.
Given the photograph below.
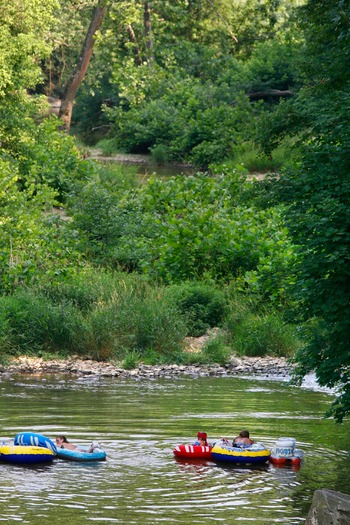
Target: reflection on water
x=139 y=422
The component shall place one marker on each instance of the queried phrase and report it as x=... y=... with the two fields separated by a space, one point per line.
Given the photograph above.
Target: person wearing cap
x=201 y=439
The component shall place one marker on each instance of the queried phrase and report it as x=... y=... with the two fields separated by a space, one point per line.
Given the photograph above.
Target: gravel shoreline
x=267 y=366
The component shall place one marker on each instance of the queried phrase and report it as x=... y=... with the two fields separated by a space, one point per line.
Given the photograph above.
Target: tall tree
x=79 y=72
x=318 y=193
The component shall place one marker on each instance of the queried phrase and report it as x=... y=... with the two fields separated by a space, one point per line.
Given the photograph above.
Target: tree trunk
x=78 y=74
x=136 y=49
x=148 y=32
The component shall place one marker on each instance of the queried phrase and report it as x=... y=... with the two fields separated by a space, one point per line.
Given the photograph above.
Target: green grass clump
x=108 y=146
x=102 y=318
x=216 y=351
x=264 y=334
x=35 y=324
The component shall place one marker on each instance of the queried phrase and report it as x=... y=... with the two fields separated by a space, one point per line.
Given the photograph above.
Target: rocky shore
x=266 y=366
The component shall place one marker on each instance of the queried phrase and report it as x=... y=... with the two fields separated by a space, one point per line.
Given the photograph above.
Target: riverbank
x=267 y=366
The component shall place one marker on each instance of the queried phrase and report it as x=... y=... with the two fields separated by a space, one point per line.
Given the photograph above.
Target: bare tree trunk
x=137 y=50
x=78 y=74
x=223 y=20
x=148 y=31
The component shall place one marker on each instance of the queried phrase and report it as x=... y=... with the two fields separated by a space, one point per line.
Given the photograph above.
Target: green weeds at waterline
x=123 y=318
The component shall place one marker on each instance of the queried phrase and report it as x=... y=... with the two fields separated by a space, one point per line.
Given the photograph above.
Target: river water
x=139 y=422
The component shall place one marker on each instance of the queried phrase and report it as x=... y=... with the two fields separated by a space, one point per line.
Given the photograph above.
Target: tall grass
x=119 y=316
x=254 y=330
x=135 y=319
x=34 y=324
x=102 y=318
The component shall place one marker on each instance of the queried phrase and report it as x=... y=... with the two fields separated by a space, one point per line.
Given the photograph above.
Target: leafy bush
x=160 y=153
x=195 y=121
x=202 y=306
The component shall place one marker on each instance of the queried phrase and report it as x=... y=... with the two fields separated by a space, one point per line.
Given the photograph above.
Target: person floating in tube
x=201 y=440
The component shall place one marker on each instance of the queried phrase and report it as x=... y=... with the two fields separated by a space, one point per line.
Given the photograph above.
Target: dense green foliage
x=92 y=314
x=187 y=227
x=318 y=193
x=202 y=305
x=184 y=89
x=93 y=262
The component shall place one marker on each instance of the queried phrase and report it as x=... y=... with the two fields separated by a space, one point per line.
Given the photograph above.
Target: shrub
x=263 y=334
x=159 y=153
x=107 y=146
x=201 y=305
x=216 y=351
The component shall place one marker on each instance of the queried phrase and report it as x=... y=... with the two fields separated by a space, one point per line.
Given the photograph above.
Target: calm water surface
x=139 y=422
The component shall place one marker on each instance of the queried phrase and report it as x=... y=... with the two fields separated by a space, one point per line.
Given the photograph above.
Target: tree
x=36 y=160
x=24 y=41
x=78 y=74
x=318 y=194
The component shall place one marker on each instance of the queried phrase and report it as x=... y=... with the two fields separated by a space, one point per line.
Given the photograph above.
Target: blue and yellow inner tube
x=257 y=453
x=24 y=454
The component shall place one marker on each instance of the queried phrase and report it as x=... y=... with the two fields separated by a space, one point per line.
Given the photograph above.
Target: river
x=139 y=422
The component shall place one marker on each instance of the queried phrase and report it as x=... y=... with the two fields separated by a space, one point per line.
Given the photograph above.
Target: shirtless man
x=243 y=439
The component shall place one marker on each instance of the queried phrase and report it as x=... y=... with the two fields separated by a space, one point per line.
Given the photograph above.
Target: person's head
x=61 y=439
x=244 y=434
x=202 y=438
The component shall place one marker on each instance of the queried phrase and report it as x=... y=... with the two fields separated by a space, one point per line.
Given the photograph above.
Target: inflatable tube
x=278 y=459
x=294 y=460
x=256 y=453
x=285 y=453
x=81 y=455
x=24 y=454
x=192 y=452
x=35 y=440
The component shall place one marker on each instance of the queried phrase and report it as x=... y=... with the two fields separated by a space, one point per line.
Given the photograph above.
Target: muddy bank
x=267 y=366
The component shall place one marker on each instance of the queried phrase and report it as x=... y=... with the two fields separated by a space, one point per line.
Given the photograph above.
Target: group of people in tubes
x=241 y=441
